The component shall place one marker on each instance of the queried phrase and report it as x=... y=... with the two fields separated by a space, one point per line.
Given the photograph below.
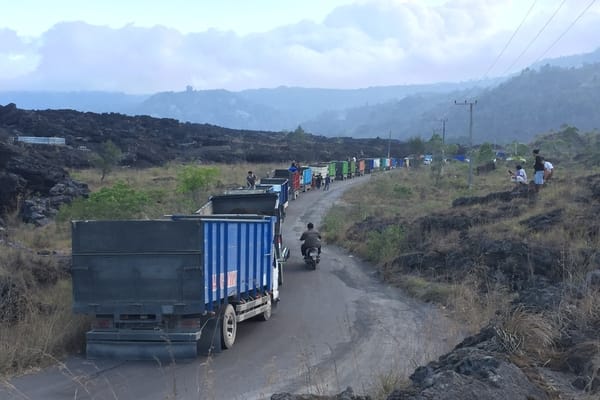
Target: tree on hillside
x=416 y=145
x=486 y=153
x=519 y=149
x=298 y=134
x=435 y=146
x=107 y=157
x=452 y=150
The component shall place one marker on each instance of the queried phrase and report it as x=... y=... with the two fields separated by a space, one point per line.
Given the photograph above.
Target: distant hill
x=576 y=60
x=81 y=101
x=539 y=99
x=216 y=107
x=282 y=108
x=533 y=102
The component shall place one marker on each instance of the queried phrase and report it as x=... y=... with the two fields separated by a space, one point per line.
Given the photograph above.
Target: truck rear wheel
x=228 y=327
x=266 y=315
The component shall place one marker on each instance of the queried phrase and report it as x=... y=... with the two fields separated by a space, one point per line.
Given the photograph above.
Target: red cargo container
x=294 y=179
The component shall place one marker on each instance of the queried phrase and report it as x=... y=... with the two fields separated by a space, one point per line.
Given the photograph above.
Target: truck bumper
x=152 y=345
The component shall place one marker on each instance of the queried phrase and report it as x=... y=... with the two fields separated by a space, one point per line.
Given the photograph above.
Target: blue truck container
x=253 y=202
x=161 y=289
x=306 y=178
x=281 y=186
x=369 y=165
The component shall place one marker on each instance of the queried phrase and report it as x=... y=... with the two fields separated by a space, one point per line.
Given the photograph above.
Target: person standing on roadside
x=548 y=170
x=327 y=182
x=538 y=169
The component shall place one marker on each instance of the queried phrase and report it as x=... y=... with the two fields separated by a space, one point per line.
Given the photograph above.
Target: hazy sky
x=139 y=46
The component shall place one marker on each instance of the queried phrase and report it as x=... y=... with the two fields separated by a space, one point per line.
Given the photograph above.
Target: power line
x=566 y=30
x=536 y=36
x=511 y=39
x=474 y=88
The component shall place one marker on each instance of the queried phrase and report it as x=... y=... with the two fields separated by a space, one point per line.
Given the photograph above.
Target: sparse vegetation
x=37 y=325
x=107 y=158
x=522 y=265
x=479 y=261
x=194 y=180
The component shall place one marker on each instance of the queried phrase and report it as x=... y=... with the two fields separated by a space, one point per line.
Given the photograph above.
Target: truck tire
x=265 y=316
x=228 y=327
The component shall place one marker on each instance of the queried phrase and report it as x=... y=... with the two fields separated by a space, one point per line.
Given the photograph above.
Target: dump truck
x=320 y=169
x=281 y=186
x=260 y=201
x=294 y=180
x=172 y=288
x=306 y=178
x=341 y=170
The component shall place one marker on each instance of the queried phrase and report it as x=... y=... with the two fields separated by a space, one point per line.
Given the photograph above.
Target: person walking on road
x=327 y=182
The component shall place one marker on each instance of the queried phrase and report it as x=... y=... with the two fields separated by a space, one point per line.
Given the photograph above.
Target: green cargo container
x=341 y=170
x=351 y=168
x=331 y=169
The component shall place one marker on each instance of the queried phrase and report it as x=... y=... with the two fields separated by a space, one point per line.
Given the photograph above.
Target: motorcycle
x=312 y=257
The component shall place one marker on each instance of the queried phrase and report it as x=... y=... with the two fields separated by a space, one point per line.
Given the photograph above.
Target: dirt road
x=337 y=326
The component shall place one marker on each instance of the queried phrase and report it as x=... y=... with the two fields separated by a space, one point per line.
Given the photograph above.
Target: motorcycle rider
x=311 y=238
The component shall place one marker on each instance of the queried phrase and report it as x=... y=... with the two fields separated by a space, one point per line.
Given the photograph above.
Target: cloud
x=377 y=42
x=17 y=56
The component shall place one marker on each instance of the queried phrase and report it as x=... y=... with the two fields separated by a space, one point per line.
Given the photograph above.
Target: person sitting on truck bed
x=251 y=180
x=311 y=238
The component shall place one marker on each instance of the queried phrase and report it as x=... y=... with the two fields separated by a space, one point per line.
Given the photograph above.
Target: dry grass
x=409 y=195
x=37 y=325
x=527 y=333
x=166 y=177
x=46 y=331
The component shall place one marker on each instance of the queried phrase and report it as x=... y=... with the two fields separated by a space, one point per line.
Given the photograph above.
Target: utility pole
x=389 y=145
x=444 y=130
x=443 y=143
x=470 y=104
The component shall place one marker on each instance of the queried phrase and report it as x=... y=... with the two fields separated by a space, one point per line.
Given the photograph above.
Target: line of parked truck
x=178 y=286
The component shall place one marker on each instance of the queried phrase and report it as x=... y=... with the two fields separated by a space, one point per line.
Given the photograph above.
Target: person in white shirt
x=519 y=176
x=548 y=170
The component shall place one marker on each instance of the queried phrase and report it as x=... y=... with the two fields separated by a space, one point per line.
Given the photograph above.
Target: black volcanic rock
x=35 y=181
x=30 y=172
x=147 y=141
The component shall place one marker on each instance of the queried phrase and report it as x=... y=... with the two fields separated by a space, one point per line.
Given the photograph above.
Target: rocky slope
x=35 y=176
x=532 y=248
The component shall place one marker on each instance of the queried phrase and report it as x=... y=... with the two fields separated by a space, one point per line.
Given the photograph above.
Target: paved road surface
x=334 y=327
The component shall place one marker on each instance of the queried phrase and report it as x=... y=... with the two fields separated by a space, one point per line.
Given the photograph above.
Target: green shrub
x=193 y=180
x=117 y=202
x=334 y=224
x=402 y=192
x=385 y=245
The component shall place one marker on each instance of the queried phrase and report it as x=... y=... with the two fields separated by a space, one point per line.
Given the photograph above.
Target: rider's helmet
x=310 y=225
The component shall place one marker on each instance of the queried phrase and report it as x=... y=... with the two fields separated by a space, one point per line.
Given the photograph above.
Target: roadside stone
x=347 y=394
x=469 y=374
x=592 y=279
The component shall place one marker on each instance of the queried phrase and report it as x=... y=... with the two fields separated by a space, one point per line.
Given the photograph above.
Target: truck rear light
x=102 y=323
x=190 y=323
